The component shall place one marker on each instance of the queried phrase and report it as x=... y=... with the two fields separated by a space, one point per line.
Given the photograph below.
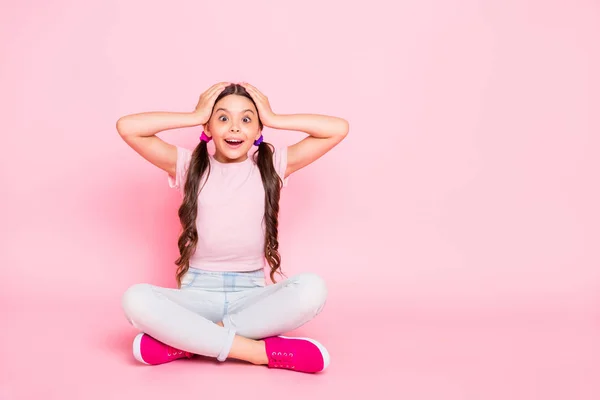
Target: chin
x=235 y=154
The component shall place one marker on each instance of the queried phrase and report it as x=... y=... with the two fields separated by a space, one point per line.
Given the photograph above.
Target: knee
x=312 y=290
x=136 y=301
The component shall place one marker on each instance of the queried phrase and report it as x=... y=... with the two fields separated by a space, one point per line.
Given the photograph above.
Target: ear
x=206 y=130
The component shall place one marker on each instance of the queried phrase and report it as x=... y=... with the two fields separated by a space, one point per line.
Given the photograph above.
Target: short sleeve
x=280 y=161
x=184 y=156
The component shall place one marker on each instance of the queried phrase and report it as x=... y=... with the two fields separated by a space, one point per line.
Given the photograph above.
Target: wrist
x=274 y=121
x=194 y=118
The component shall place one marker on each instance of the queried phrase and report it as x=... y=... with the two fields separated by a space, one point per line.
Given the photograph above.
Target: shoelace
x=283 y=360
x=172 y=351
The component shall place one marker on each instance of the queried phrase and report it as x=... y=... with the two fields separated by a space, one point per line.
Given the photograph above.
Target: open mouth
x=234 y=143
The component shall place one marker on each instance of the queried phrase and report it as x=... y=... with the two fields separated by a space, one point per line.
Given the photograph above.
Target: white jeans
x=186 y=318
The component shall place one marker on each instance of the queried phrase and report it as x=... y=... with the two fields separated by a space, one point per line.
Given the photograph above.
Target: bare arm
x=139 y=132
x=324 y=131
x=150 y=123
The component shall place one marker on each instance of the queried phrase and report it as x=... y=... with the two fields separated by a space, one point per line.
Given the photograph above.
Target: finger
x=213 y=97
x=222 y=87
x=214 y=87
x=256 y=89
x=249 y=86
x=215 y=90
x=217 y=86
x=254 y=92
x=251 y=92
x=260 y=94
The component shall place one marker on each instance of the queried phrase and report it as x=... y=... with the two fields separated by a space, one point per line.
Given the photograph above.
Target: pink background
x=457 y=225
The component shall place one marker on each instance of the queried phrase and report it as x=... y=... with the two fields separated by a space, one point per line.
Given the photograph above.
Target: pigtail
x=272 y=184
x=188 y=211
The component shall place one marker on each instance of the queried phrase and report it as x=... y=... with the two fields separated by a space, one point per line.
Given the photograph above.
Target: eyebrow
x=224 y=109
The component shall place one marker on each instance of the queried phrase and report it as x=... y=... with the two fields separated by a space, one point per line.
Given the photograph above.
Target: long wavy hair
x=188 y=211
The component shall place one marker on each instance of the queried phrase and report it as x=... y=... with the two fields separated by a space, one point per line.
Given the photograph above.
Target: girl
x=223 y=307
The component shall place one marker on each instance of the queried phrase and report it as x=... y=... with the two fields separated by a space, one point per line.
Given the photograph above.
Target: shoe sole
x=137 y=347
x=322 y=349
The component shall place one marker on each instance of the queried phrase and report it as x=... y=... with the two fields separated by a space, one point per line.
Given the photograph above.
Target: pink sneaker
x=148 y=350
x=298 y=354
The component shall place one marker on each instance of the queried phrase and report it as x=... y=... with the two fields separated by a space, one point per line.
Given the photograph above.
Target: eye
x=222 y=116
x=247 y=118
